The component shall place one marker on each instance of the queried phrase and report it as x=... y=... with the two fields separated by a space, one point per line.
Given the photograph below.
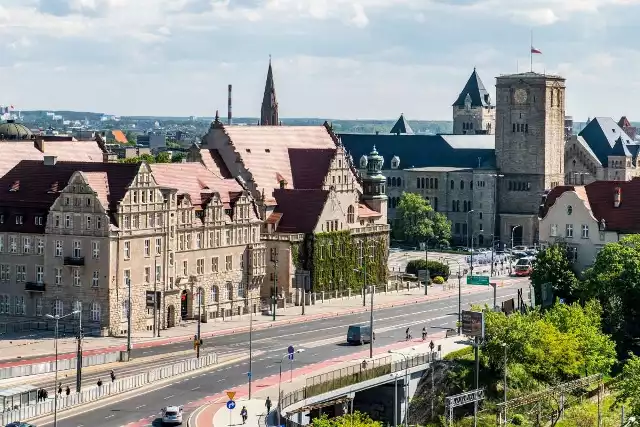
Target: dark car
x=19 y=424
x=360 y=334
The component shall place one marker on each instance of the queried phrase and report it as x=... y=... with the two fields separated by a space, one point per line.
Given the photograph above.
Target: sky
x=340 y=59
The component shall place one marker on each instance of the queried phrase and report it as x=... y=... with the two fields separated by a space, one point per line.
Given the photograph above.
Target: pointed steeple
x=269 y=109
x=475 y=90
x=402 y=127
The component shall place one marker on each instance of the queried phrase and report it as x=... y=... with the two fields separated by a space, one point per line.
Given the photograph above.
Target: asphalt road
x=322 y=340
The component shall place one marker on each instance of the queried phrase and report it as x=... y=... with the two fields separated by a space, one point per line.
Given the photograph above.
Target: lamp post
x=274 y=259
x=510 y=258
x=250 y=347
x=199 y=320
x=79 y=355
x=406 y=383
x=495 y=213
x=129 y=319
x=470 y=233
x=426 y=253
x=280 y=382
x=55 y=344
x=505 y=382
x=459 y=293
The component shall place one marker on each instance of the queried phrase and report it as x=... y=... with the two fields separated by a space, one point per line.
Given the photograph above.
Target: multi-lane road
x=322 y=339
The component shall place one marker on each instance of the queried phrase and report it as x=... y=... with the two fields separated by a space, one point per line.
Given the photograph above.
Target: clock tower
x=530 y=109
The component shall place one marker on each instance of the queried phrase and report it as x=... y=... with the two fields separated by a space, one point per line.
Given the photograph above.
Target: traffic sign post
x=249 y=374
x=478 y=280
x=230 y=405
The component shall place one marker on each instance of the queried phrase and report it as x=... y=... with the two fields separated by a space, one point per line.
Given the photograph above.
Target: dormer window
x=38 y=220
x=15 y=186
x=569 y=210
x=18 y=219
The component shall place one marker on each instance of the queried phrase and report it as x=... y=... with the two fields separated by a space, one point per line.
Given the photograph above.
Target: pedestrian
x=243 y=414
x=40 y=395
x=99 y=382
x=68 y=391
x=60 y=389
x=268 y=405
x=113 y=376
x=46 y=394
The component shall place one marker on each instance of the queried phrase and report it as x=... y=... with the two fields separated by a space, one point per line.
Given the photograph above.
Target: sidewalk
x=15 y=349
x=212 y=411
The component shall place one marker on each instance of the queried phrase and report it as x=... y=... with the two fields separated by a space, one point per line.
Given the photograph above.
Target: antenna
x=229 y=117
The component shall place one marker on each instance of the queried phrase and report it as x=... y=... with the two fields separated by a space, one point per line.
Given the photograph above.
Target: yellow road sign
x=231 y=394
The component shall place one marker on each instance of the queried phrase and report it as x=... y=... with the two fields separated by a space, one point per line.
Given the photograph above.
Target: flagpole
x=531 y=52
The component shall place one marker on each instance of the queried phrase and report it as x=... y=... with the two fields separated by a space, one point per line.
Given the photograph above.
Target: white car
x=172 y=415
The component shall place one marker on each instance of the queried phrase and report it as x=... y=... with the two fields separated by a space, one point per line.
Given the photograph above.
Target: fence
x=63 y=365
x=65 y=328
x=107 y=389
x=350 y=375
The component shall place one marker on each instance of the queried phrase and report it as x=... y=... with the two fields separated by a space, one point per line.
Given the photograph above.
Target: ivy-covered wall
x=333 y=257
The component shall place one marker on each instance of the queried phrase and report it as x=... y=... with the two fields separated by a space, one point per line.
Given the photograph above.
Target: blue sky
x=331 y=58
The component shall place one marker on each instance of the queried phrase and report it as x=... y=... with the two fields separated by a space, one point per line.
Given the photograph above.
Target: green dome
x=12 y=130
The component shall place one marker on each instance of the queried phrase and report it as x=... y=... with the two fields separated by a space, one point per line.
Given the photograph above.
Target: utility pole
x=250 y=348
x=477 y=381
x=459 y=300
x=199 y=320
x=275 y=284
x=426 y=253
x=155 y=294
x=364 y=284
x=129 y=320
x=371 y=325
x=79 y=356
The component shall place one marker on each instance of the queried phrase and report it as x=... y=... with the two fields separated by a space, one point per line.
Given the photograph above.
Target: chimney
x=617 y=197
x=109 y=158
x=50 y=160
x=229 y=107
x=39 y=143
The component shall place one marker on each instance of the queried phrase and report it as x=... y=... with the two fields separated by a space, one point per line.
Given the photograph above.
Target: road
x=322 y=340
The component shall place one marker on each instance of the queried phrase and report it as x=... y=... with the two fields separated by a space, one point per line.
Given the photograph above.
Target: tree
x=628 y=385
x=178 y=157
x=163 y=157
x=418 y=221
x=357 y=419
x=552 y=266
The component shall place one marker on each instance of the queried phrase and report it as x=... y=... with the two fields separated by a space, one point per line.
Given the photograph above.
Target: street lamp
x=510 y=258
x=504 y=344
x=301 y=350
x=459 y=293
x=55 y=344
x=406 y=384
x=469 y=232
x=495 y=211
x=250 y=347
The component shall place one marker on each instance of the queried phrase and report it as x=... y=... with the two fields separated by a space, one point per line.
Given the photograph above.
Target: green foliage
x=561 y=344
x=417 y=221
x=438 y=280
x=518 y=420
x=552 y=266
x=463 y=353
x=357 y=419
x=335 y=257
x=628 y=385
x=436 y=268
x=163 y=157
x=614 y=279
x=178 y=157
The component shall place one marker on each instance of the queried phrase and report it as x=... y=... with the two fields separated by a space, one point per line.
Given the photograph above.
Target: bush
x=438 y=280
x=518 y=420
x=436 y=268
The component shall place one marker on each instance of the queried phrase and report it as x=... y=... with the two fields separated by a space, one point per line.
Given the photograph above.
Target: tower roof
x=475 y=89
x=401 y=126
x=269 y=109
x=624 y=122
x=620 y=148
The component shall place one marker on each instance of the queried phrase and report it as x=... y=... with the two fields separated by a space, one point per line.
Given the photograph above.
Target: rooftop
x=475 y=90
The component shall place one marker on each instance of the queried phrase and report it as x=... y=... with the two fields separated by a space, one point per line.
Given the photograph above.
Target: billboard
x=473 y=323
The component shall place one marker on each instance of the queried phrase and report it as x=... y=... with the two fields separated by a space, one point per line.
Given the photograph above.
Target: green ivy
x=334 y=258
x=295 y=255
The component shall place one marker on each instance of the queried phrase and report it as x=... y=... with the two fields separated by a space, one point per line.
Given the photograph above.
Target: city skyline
x=331 y=58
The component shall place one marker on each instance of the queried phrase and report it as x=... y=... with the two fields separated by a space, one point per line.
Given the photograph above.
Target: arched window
x=471 y=185
x=453 y=206
x=424 y=183
x=392 y=183
x=388 y=181
x=436 y=183
x=77 y=306
x=95 y=311
x=462 y=185
x=464 y=205
x=418 y=182
x=458 y=205
x=431 y=184
x=351 y=214
x=214 y=296
x=399 y=182
x=435 y=203
x=452 y=185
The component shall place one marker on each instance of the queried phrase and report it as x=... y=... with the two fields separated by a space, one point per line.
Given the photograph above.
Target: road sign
x=231 y=394
x=473 y=323
x=478 y=280
x=249 y=374
x=231 y=404
x=290 y=356
x=290 y=350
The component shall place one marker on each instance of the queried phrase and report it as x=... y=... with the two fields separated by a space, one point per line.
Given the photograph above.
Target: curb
x=232 y=331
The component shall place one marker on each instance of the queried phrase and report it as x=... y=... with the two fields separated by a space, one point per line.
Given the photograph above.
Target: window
x=88 y=201
x=151 y=220
x=125 y=309
x=198 y=240
x=127 y=250
x=229 y=262
x=200 y=266
x=21 y=273
x=98 y=222
x=95 y=312
x=58 y=308
x=227 y=239
x=95 y=250
x=18 y=219
x=68 y=221
x=95 y=279
x=88 y=221
x=585 y=231
x=554 y=230
x=158 y=273
x=5 y=305
x=38 y=311
x=26 y=245
x=187 y=241
x=135 y=197
x=147 y=274
x=76 y=277
x=40 y=273
x=77 y=306
x=127 y=277
x=462 y=185
x=37 y=220
x=147 y=248
x=158 y=245
x=213 y=296
x=5 y=272
x=13 y=244
x=1 y=243
x=214 y=264
x=77 y=252
x=39 y=247
x=181 y=242
x=217 y=242
x=569 y=230
x=135 y=221
x=57 y=272
x=20 y=306
x=228 y=291
x=351 y=217
x=241 y=290
x=56 y=221
x=569 y=210
x=185 y=268
x=125 y=221
x=58 y=248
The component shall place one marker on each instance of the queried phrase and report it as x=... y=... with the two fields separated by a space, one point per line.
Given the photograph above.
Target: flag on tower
x=534 y=50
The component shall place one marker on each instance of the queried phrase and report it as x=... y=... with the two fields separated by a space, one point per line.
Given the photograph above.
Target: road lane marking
x=137 y=407
x=169 y=397
x=194 y=389
x=109 y=416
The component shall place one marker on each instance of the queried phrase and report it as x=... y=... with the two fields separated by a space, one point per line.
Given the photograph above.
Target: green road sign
x=478 y=280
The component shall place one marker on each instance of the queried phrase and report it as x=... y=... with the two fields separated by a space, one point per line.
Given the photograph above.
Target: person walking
x=99 y=382
x=267 y=403
x=243 y=414
x=60 y=389
x=113 y=376
x=68 y=391
x=40 y=395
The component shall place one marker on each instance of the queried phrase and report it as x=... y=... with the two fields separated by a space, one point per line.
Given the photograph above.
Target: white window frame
x=58 y=248
x=57 y=272
x=95 y=279
x=77 y=277
x=40 y=274
x=95 y=249
x=147 y=248
x=584 y=231
x=95 y=311
x=127 y=249
x=40 y=246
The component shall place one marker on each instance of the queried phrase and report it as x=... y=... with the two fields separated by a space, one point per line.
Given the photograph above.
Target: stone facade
x=469 y=120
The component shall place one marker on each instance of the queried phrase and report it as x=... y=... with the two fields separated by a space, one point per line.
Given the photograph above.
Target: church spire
x=269 y=109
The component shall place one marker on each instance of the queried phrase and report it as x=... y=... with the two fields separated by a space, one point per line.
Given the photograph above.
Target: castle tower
x=269 y=109
x=473 y=111
x=373 y=183
x=530 y=114
x=619 y=167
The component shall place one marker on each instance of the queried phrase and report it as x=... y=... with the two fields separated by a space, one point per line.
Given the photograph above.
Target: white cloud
x=359 y=18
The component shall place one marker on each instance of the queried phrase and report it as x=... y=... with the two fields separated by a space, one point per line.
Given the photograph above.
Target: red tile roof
x=37 y=180
x=365 y=211
x=309 y=167
x=274 y=218
x=196 y=180
x=599 y=196
x=624 y=122
x=300 y=209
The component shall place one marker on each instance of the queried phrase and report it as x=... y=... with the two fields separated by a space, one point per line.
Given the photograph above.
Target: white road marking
x=169 y=397
x=194 y=389
x=137 y=407
x=270 y=366
x=109 y=416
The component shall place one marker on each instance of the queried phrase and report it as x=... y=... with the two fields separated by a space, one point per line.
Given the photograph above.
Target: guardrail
x=350 y=375
x=63 y=365
x=107 y=389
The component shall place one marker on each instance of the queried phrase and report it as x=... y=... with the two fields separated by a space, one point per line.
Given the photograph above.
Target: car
x=19 y=424
x=172 y=415
x=360 y=334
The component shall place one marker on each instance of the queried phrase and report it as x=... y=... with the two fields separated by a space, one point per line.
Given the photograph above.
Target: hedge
x=436 y=268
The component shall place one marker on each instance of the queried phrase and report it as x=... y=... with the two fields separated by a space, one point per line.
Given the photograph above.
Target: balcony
x=34 y=287
x=74 y=261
